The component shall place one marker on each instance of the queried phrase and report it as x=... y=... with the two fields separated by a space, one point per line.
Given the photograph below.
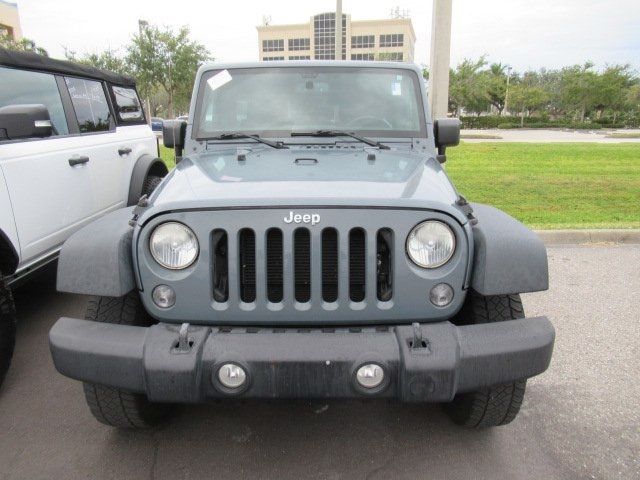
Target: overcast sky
x=523 y=33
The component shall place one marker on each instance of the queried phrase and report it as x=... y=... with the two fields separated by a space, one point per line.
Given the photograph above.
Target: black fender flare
x=8 y=256
x=146 y=165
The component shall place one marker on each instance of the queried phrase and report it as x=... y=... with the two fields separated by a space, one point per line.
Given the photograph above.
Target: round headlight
x=173 y=245
x=431 y=244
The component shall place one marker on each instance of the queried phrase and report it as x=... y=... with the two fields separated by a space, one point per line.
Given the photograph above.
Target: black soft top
x=33 y=61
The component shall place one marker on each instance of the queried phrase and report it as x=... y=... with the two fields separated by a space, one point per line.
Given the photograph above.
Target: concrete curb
x=579 y=237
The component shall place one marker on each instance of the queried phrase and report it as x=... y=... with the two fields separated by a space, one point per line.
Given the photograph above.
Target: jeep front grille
x=258 y=266
x=251 y=268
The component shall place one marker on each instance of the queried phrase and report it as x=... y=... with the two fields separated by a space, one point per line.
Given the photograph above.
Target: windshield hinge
x=466 y=208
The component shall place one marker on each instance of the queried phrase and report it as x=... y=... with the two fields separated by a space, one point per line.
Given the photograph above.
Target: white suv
x=74 y=145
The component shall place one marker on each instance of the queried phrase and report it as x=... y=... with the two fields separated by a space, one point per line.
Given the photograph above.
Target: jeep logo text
x=312 y=218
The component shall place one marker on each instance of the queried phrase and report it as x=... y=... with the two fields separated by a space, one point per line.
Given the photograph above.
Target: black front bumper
x=302 y=363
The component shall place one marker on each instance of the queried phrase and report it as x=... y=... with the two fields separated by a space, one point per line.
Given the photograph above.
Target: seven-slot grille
x=303 y=264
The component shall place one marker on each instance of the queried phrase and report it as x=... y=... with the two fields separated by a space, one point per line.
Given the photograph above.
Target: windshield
x=381 y=102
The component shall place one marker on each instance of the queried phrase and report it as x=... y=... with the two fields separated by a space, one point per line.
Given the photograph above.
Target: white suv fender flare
x=146 y=165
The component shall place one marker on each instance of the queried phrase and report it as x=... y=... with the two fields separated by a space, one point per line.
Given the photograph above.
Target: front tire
x=7 y=328
x=109 y=405
x=499 y=404
x=150 y=184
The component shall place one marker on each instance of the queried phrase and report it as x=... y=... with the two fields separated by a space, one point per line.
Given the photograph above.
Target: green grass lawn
x=167 y=156
x=549 y=185
x=553 y=185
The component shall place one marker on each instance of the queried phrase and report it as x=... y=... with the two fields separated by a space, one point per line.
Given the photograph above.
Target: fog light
x=441 y=295
x=232 y=375
x=164 y=296
x=370 y=375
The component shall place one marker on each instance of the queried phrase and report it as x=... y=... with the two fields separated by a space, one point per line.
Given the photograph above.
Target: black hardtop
x=33 y=61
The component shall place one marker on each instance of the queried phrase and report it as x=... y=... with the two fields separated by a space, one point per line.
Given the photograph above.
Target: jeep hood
x=306 y=176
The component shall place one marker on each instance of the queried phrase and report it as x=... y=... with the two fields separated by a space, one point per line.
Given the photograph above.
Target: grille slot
x=384 y=264
x=357 y=264
x=330 y=265
x=220 y=265
x=247 y=260
x=275 y=286
x=302 y=265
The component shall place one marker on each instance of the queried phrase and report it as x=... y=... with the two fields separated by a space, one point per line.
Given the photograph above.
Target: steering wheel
x=371 y=119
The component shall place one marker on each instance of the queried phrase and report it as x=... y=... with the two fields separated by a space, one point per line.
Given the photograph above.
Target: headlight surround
x=174 y=245
x=431 y=244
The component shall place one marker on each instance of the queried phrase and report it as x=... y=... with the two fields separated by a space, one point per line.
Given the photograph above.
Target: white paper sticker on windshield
x=219 y=79
x=396 y=89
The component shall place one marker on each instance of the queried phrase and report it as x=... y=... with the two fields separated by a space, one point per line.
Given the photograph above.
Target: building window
x=324 y=26
x=273 y=45
x=299 y=44
x=391 y=56
x=6 y=31
x=363 y=41
x=362 y=56
x=299 y=57
x=393 y=40
x=270 y=59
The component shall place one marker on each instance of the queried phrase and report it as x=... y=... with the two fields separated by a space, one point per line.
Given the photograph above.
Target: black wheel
x=113 y=406
x=150 y=184
x=7 y=328
x=497 y=405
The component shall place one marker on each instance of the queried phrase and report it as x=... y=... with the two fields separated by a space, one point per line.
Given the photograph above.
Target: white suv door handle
x=124 y=151
x=73 y=161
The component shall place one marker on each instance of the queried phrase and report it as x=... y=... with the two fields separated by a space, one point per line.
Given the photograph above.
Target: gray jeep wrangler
x=309 y=244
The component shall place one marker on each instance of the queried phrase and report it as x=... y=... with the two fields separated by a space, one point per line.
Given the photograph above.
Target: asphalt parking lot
x=581 y=419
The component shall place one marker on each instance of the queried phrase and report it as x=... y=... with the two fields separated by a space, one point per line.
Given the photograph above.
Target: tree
x=611 y=89
x=468 y=87
x=163 y=60
x=579 y=84
x=107 y=60
x=24 y=45
x=496 y=83
x=525 y=97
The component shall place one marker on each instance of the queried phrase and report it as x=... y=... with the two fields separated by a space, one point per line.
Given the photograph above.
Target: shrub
x=507 y=125
x=494 y=121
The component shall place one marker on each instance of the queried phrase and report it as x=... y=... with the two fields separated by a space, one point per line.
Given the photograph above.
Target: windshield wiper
x=234 y=136
x=340 y=133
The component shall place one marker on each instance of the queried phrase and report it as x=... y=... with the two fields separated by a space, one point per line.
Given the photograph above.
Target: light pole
x=506 y=93
x=440 y=56
x=142 y=25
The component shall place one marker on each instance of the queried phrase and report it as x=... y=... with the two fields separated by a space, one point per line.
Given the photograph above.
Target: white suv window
x=23 y=87
x=90 y=104
x=128 y=105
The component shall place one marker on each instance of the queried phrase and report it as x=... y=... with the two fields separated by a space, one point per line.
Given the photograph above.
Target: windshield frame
x=379 y=134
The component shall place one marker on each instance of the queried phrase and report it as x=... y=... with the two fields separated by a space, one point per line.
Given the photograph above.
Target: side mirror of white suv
x=25 y=121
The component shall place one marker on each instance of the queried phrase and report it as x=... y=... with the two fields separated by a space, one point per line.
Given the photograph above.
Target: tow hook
x=419 y=344
x=184 y=343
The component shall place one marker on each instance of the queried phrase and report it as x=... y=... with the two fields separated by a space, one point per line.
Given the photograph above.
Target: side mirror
x=173 y=135
x=446 y=133
x=25 y=121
